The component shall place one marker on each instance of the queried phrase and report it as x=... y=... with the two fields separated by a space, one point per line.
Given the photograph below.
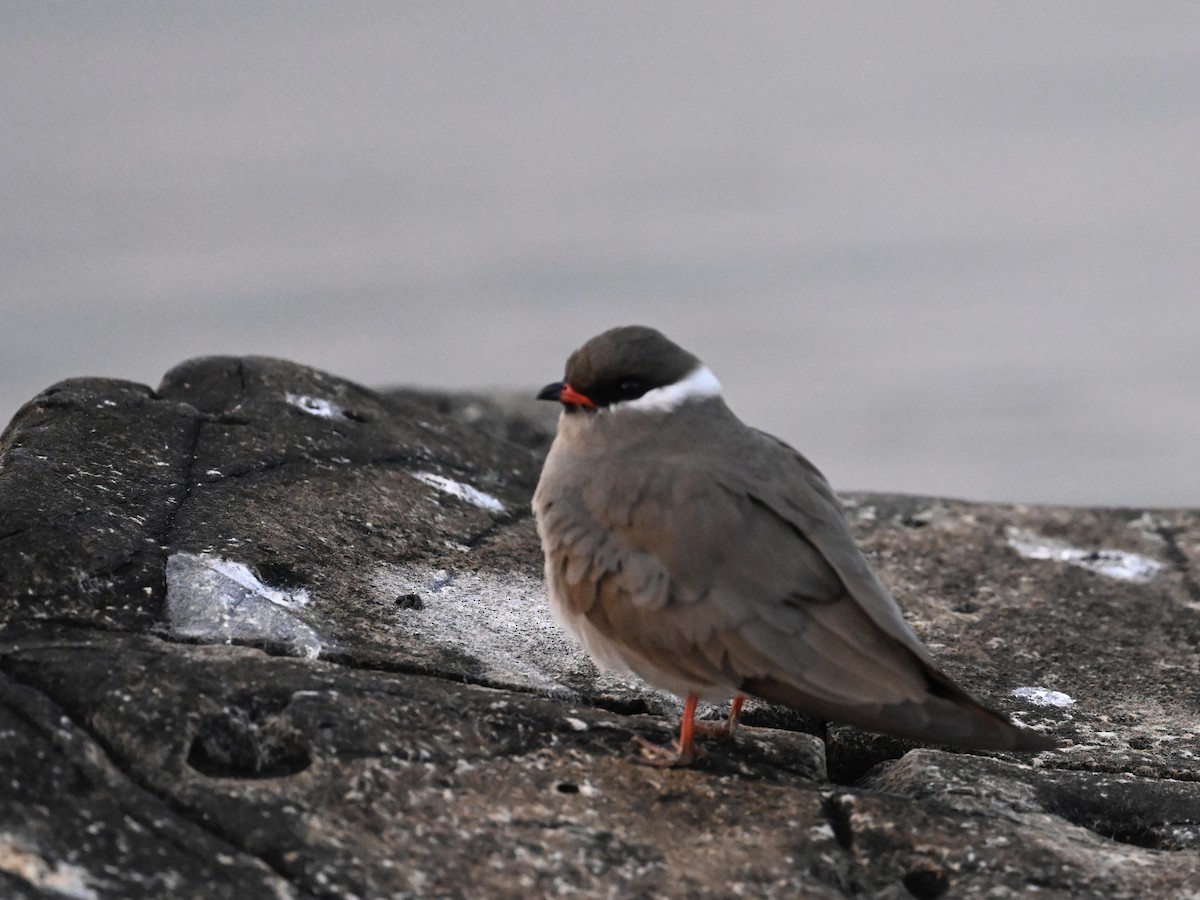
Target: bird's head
x=631 y=368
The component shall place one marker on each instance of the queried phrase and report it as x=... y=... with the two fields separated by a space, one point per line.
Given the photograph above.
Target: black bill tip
x=551 y=392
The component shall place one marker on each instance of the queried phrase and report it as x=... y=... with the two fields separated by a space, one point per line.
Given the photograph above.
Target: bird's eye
x=631 y=387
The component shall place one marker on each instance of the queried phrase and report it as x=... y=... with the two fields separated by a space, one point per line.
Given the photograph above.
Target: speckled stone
x=267 y=632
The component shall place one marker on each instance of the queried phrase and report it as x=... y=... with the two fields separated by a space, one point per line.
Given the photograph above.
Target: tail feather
x=946 y=715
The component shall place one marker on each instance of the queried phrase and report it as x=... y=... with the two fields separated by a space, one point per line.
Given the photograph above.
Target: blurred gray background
x=942 y=247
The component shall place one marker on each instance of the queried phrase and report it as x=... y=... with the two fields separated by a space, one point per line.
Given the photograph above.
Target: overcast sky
x=942 y=248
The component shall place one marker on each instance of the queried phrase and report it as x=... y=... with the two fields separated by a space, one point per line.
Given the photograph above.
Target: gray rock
x=263 y=631
x=92 y=475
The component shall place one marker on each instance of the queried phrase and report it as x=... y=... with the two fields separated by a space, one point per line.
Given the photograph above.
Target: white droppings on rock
x=217 y=599
x=239 y=573
x=466 y=492
x=502 y=622
x=1040 y=696
x=316 y=406
x=1119 y=564
x=576 y=724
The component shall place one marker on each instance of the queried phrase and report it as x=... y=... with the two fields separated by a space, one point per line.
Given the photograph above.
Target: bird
x=713 y=561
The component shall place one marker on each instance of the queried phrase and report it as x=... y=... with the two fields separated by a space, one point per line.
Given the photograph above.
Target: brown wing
x=691 y=569
x=868 y=666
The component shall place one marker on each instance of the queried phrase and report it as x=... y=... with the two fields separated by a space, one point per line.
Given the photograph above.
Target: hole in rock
x=838 y=809
x=850 y=754
x=236 y=746
x=279 y=575
x=410 y=601
x=926 y=884
x=632 y=706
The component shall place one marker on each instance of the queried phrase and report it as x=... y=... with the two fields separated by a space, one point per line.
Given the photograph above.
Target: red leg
x=682 y=753
x=735 y=713
x=687 y=725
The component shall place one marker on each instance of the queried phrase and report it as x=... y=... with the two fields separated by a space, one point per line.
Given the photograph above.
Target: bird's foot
x=726 y=730
x=670 y=756
x=717 y=731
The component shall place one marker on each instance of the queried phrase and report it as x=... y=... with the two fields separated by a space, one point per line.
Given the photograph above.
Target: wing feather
x=704 y=577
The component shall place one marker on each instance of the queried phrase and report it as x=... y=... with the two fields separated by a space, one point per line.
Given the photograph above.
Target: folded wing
x=734 y=580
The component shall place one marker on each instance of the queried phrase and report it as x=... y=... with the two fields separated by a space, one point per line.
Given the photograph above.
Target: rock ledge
x=264 y=632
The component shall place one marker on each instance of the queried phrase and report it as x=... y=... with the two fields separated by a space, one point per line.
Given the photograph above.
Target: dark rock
x=263 y=631
x=75 y=823
x=1111 y=818
x=92 y=475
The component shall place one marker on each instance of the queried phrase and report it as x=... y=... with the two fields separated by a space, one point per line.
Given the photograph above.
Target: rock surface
x=264 y=632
